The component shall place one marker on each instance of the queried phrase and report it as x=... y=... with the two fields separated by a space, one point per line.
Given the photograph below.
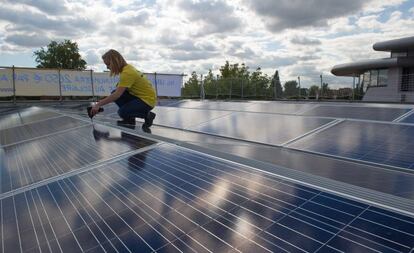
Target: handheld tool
x=89 y=108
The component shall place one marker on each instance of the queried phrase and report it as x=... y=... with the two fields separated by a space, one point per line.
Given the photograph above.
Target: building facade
x=387 y=79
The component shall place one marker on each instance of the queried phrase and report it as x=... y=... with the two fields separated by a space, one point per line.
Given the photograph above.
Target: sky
x=303 y=38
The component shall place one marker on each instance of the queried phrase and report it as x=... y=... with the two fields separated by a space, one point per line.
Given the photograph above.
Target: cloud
x=26 y=21
x=30 y=41
x=290 y=14
x=214 y=16
x=140 y=18
x=51 y=7
x=305 y=41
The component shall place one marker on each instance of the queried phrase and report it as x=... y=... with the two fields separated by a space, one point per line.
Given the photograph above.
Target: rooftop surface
x=210 y=176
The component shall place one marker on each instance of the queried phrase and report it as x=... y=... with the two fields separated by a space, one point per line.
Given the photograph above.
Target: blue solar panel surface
x=35 y=160
x=274 y=130
x=409 y=119
x=37 y=129
x=389 y=144
x=355 y=112
x=24 y=116
x=171 y=200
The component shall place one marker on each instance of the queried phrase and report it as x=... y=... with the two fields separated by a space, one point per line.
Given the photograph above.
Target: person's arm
x=111 y=98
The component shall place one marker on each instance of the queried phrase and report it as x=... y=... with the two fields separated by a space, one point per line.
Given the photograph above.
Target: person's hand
x=95 y=110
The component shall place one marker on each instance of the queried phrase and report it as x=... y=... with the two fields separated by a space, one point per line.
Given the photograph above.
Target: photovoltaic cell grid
x=274 y=130
x=382 y=143
x=183 y=117
x=171 y=200
x=37 y=129
x=354 y=112
x=409 y=119
x=32 y=161
x=12 y=119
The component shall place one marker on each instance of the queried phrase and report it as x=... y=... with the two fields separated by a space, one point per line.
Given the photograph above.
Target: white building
x=387 y=79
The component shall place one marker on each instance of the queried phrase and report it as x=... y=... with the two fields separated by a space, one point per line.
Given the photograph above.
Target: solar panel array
x=382 y=143
x=172 y=200
x=68 y=185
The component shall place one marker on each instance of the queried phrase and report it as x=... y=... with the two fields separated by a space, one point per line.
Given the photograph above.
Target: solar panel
x=215 y=105
x=184 y=117
x=409 y=119
x=40 y=128
x=277 y=107
x=24 y=116
x=28 y=162
x=357 y=112
x=389 y=144
x=262 y=128
x=168 y=199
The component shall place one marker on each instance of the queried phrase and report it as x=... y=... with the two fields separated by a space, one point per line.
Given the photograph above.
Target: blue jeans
x=131 y=106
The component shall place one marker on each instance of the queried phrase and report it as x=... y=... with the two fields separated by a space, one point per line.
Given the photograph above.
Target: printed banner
x=6 y=83
x=41 y=82
x=166 y=85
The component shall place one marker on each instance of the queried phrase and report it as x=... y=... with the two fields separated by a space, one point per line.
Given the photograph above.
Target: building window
x=407 y=79
x=398 y=54
x=375 y=78
x=382 y=77
x=366 y=80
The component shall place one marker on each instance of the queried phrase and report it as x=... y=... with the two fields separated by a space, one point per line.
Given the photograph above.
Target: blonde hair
x=115 y=60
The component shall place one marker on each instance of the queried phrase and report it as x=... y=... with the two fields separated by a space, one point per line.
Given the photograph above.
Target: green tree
x=63 y=55
x=210 y=84
x=278 y=91
x=231 y=79
x=313 y=90
x=191 y=87
x=234 y=71
x=291 y=88
x=260 y=83
x=326 y=91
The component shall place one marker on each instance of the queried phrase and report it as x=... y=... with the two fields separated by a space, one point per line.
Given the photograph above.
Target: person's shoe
x=146 y=129
x=127 y=121
x=149 y=119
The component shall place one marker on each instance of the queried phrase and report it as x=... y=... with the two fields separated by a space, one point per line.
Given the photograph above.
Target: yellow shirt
x=138 y=85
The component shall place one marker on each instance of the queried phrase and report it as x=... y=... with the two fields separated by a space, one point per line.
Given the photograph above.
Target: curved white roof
x=357 y=68
x=397 y=45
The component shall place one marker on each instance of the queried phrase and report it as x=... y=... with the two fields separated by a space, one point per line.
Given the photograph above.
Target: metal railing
x=233 y=88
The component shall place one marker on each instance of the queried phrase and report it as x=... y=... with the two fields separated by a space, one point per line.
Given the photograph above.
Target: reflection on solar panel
x=213 y=105
x=275 y=107
x=38 y=129
x=168 y=199
x=390 y=144
x=409 y=119
x=36 y=160
x=24 y=116
x=354 y=112
x=183 y=117
x=274 y=130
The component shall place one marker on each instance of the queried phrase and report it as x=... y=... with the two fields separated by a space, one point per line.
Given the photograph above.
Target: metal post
x=202 y=88
x=321 y=86
x=353 y=88
x=14 y=85
x=156 y=85
x=242 y=82
x=231 y=87
x=255 y=91
x=60 y=87
x=93 y=90
x=299 y=87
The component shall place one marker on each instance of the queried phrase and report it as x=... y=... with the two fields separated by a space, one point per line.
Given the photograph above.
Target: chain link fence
x=234 y=88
